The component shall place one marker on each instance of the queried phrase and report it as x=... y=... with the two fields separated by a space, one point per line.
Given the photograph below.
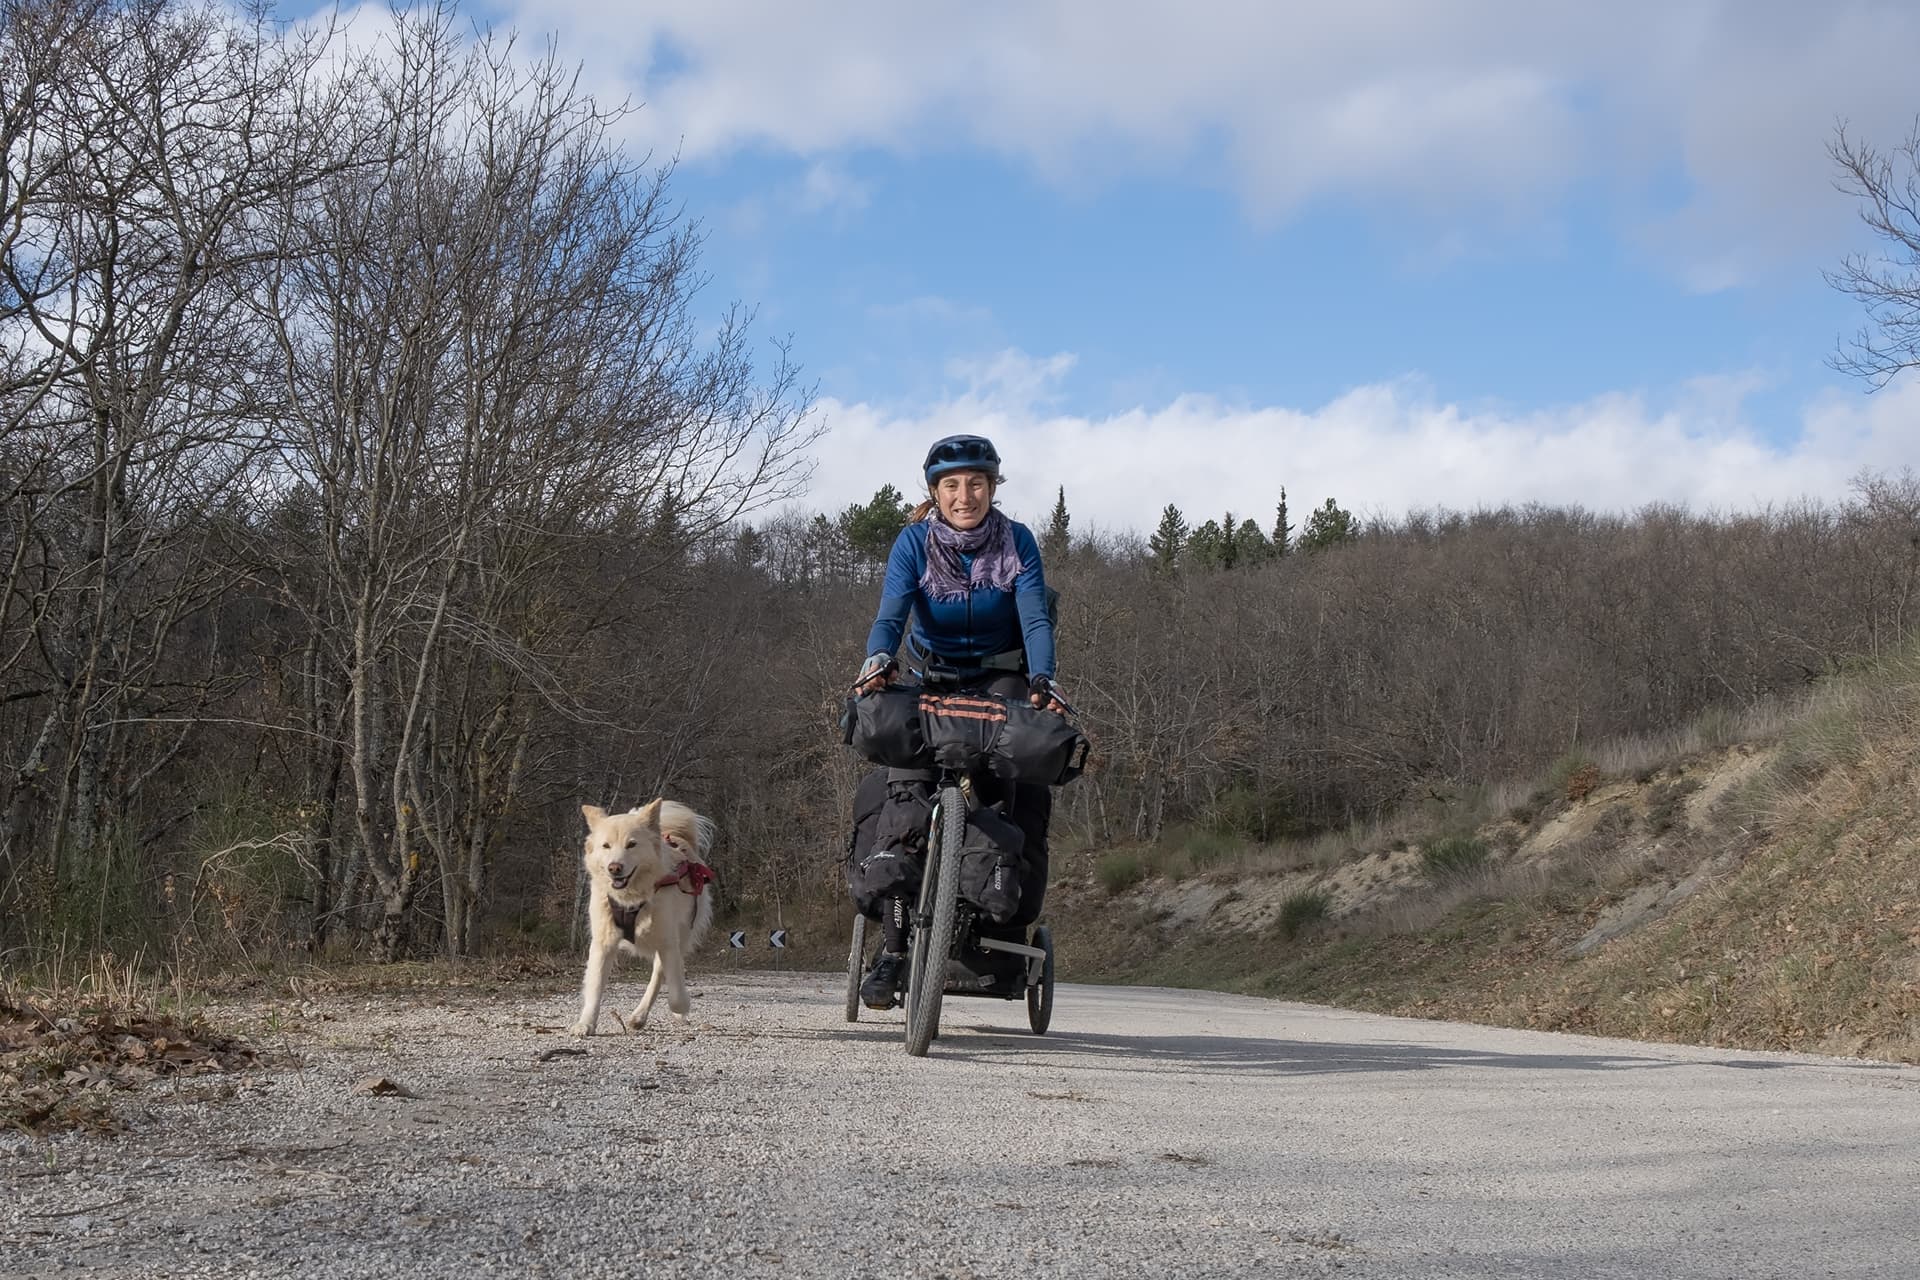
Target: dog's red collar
x=691 y=876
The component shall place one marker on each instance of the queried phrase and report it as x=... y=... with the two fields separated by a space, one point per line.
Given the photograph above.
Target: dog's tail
x=695 y=833
x=705 y=830
x=702 y=917
x=693 y=830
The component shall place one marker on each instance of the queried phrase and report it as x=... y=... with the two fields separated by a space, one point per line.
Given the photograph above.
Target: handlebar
x=1054 y=697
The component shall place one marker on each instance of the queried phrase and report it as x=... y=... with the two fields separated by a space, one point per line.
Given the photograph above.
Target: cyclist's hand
x=875 y=673
x=1045 y=693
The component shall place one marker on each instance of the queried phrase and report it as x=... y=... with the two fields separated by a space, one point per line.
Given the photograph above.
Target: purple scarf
x=995 y=561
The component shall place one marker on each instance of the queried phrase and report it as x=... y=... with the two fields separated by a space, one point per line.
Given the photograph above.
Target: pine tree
x=826 y=547
x=1169 y=539
x=1282 y=530
x=749 y=546
x=667 y=530
x=1207 y=547
x=1056 y=542
x=870 y=529
x=1250 y=546
x=1329 y=526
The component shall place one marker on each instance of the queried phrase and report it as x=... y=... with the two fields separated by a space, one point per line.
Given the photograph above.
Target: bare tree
x=1887 y=286
x=490 y=342
x=144 y=143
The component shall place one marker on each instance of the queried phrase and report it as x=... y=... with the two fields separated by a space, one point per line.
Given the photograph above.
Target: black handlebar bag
x=885 y=726
x=1038 y=745
x=1010 y=737
x=911 y=728
x=961 y=728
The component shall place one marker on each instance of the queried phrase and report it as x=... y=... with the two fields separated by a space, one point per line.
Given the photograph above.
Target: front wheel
x=933 y=925
x=1040 y=994
x=856 y=962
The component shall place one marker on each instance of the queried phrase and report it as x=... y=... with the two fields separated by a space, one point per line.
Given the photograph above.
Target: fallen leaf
x=384 y=1087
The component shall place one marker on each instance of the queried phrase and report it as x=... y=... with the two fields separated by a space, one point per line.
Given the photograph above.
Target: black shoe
x=880 y=989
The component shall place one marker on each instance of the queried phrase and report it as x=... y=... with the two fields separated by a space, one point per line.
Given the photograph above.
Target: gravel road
x=1151 y=1132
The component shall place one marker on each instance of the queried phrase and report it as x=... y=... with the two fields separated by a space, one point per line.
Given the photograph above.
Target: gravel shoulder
x=1151 y=1132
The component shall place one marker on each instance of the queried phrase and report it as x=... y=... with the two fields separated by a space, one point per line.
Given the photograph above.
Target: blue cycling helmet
x=962 y=453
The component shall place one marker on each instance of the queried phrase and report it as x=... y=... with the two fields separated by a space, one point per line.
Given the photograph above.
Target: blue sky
x=1398 y=252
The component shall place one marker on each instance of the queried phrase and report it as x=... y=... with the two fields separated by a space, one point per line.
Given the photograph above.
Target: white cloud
x=931 y=309
x=1012 y=377
x=1384 y=449
x=828 y=188
x=1704 y=121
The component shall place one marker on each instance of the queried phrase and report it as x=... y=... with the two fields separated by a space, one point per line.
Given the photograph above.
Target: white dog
x=649 y=880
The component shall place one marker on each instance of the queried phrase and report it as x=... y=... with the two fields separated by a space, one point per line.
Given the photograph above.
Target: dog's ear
x=595 y=815
x=653 y=816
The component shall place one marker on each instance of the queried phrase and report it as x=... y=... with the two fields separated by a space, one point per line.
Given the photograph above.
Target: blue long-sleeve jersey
x=986 y=622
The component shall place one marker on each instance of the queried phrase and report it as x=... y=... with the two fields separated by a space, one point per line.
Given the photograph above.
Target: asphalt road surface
x=1151 y=1132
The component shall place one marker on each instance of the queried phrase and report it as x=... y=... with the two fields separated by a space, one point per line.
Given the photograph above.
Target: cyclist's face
x=965 y=497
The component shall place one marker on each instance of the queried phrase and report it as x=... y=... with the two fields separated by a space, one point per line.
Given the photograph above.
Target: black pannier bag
x=992 y=863
x=885 y=727
x=886 y=854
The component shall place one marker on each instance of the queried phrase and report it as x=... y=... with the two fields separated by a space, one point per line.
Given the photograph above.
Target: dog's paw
x=581 y=1028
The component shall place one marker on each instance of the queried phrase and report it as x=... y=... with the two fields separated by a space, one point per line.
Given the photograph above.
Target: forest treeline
x=374 y=489
x=1283 y=694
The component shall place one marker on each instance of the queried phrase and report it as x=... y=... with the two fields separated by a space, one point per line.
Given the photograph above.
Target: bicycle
x=943 y=922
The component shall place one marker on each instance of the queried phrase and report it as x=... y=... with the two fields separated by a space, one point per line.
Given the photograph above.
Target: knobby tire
x=933 y=941
x=856 y=963
x=1040 y=995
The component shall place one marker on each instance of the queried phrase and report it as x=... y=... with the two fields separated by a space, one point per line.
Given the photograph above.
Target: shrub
x=1183 y=850
x=1561 y=773
x=1120 y=871
x=1453 y=857
x=1243 y=810
x=1582 y=781
x=1205 y=848
x=1717 y=728
x=1303 y=909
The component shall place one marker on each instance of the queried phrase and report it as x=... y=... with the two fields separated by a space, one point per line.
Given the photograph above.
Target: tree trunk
x=392 y=934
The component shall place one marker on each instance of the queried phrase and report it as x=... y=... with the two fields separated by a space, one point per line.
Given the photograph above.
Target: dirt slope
x=1764 y=895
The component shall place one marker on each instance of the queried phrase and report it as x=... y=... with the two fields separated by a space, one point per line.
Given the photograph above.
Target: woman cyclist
x=971 y=582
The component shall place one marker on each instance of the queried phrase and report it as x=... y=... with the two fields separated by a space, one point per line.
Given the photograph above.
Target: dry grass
x=1361 y=839
x=81 y=1031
